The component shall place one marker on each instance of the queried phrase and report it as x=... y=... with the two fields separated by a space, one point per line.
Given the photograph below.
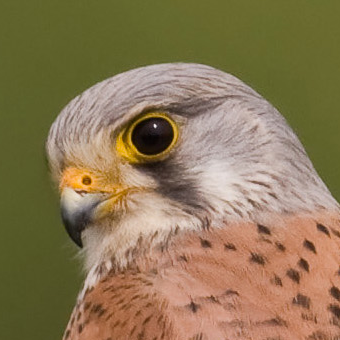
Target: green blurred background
x=51 y=50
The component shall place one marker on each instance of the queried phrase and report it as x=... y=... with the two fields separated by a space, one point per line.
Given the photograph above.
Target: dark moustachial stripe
x=182 y=190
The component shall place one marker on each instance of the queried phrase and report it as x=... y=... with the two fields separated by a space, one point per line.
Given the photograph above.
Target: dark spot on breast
x=257 y=258
x=277 y=281
x=294 y=275
x=133 y=330
x=80 y=328
x=205 y=243
x=87 y=305
x=335 y=232
x=146 y=320
x=199 y=336
x=193 y=307
x=231 y=292
x=117 y=303
x=309 y=317
x=141 y=335
x=72 y=320
x=229 y=246
x=323 y=229
x=183 y=258
x=101 y=312
x=335 y=310
x=160 y=319
x=335 y=292
x=213 y=298
x=67 y=334
x=96 y=308
x=126 y=306
x=309 y=245
x=135 y=297
x=302 y=300
x=109 y=316
x=153 y=271
x=274 y=322
x=303 y=264
x=117 y=323
x=318 y=335
x=263 y=229
x=88 y=291
x=280 y=246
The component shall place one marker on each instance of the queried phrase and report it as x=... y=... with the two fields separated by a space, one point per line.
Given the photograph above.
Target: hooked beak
x=77 y=211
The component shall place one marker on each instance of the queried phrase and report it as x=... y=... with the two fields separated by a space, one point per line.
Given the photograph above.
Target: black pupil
x=152 y=136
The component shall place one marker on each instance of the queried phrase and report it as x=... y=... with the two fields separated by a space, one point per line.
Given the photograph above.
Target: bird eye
x=152 y=136
x=148 y=138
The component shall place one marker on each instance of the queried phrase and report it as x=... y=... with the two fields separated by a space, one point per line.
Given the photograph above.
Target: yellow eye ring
x=148 y=138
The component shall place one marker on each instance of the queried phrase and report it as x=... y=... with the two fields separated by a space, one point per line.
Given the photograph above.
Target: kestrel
x=199 y=213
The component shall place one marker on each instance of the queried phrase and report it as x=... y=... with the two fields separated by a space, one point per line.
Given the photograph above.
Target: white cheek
x=146 y=215
x=217 y=184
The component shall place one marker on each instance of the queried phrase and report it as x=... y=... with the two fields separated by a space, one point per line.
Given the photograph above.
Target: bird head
x=173 y=147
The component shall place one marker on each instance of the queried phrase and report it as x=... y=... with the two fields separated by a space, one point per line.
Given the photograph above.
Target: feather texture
x=241 y=281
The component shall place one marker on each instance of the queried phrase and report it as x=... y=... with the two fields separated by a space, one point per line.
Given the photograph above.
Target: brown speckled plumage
x=193 y=291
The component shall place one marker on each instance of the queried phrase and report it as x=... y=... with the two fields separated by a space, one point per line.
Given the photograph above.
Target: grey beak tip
x=74 y=225
x=77 y=213
x=73 y=232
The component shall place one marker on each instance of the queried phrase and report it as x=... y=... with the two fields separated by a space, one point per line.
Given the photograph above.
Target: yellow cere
x=127 y=149
x=82 y=179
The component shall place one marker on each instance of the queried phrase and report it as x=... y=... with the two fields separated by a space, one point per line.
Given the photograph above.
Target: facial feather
x=236 y=157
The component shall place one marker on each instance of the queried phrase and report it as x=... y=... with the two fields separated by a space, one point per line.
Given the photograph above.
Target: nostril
x=87 y=180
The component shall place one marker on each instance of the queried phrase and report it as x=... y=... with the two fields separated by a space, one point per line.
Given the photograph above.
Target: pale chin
x=114 y=237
